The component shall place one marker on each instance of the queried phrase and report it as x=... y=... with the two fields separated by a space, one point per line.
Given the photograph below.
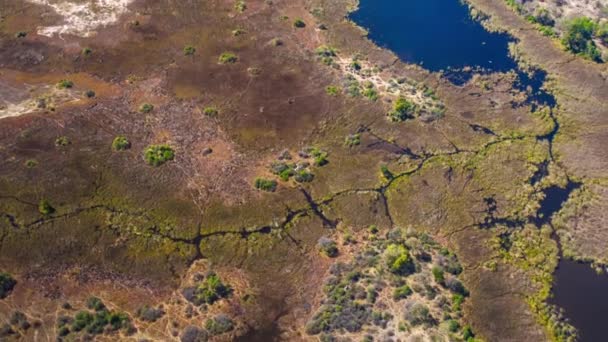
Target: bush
x=578 y=38
x=304 y=176
x=219 y=324
x=352 y=140
x=7 y=284
x=371 y=94
x=240 y=6
x=453 y=325
x=62 y=141
x=332 y=90
x=398 y=260
x=386 y=173
x=403 y=110
x=211 y=290
x=228 y=57
x=299 y=23
x=189 y=50
x=149 y=314
x=269 y=185
x=45 y=208
x=31 y=163
x=87 y=51
x=65 y=84
x=121 y=143
x=320 y=157
x=89 y=93
x=211 y=112
x=146 y=108
x=328 y=247
x=94 y=303
x=193 y=334
x=157 y=155
x=402 y=292
x=438 y=275
x=418 y=314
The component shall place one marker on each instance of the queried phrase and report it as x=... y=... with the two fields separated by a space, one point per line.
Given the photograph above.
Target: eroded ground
x=243 y=91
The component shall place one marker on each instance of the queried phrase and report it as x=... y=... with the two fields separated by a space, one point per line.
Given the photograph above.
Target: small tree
x=121 y=143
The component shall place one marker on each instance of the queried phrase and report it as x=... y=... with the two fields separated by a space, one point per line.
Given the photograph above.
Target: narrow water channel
x=440 y=35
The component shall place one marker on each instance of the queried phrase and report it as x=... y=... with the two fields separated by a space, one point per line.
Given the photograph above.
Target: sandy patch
x=82 y=18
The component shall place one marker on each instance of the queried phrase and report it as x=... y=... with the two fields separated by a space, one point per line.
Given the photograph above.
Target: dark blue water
x=438 y=34
x=581 y=292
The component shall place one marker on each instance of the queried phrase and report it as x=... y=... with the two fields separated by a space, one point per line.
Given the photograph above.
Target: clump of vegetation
x=21 y=34
x=220 y=324
x=157 y=155
x=228 y=58
x=403 y=109
x=65 y=84
x=332 y=90
x=96 y=322
x=211 y=112
x=371 y=94
x=121 y=143
x=31 y=163
x=328 y=247
x=398 y=260
x=269 y=185
x=87 y=51
x=146 y=108
x=62 y=141
x=326 y=54
x=386 y=173
x=240 y=6
x=209 y=291
x=352 y=140
x=89 y=93
x=238 y=32
x=320 y=156
x=189 y=50
x=149 y=314
x=45 y=208
x=402 y=292
x=299 y=23
x=7 y=284
x=578 y=38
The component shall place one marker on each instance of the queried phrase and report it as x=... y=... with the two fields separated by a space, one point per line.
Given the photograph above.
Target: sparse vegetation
x=31 y=163
x=96 y=322
x=62 y=141
x=332 y=90
x=157 y=155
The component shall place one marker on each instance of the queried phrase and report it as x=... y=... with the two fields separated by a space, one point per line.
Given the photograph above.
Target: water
x=437 y=34
x=581 y=292
x=441 y=36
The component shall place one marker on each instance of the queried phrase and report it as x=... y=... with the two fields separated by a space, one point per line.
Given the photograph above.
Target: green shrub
x=332 y=90
x=157 y=155
x=326 y=54
x=402 y=292
x=438 y=275
x=467 y=333
x=189 y=50
x=457 y=300
x=228 y=57
x=299 y=23
x=402 y=110
x=220 y=324
x=62 y=141
x=45 y=208
x=240 y=6
x=398 y=260
x=31 y=163
x=418 y=314
x=87 y=51
x=21 y=34
x=578 y=38
x=320 y=157
x=210 y=291
x=7 y=284
x=146 y=108
x=371 y=94
x=65 y=84
x=304 y=176
x=352 y=140
x=453 y=325
x=121 y=143
x=211 y=112
x=328 y=247
x=94 y=303
x=268 y=185
x=386 y=173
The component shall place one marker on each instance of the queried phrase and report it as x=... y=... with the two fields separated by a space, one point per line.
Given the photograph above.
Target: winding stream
x=441 y=36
